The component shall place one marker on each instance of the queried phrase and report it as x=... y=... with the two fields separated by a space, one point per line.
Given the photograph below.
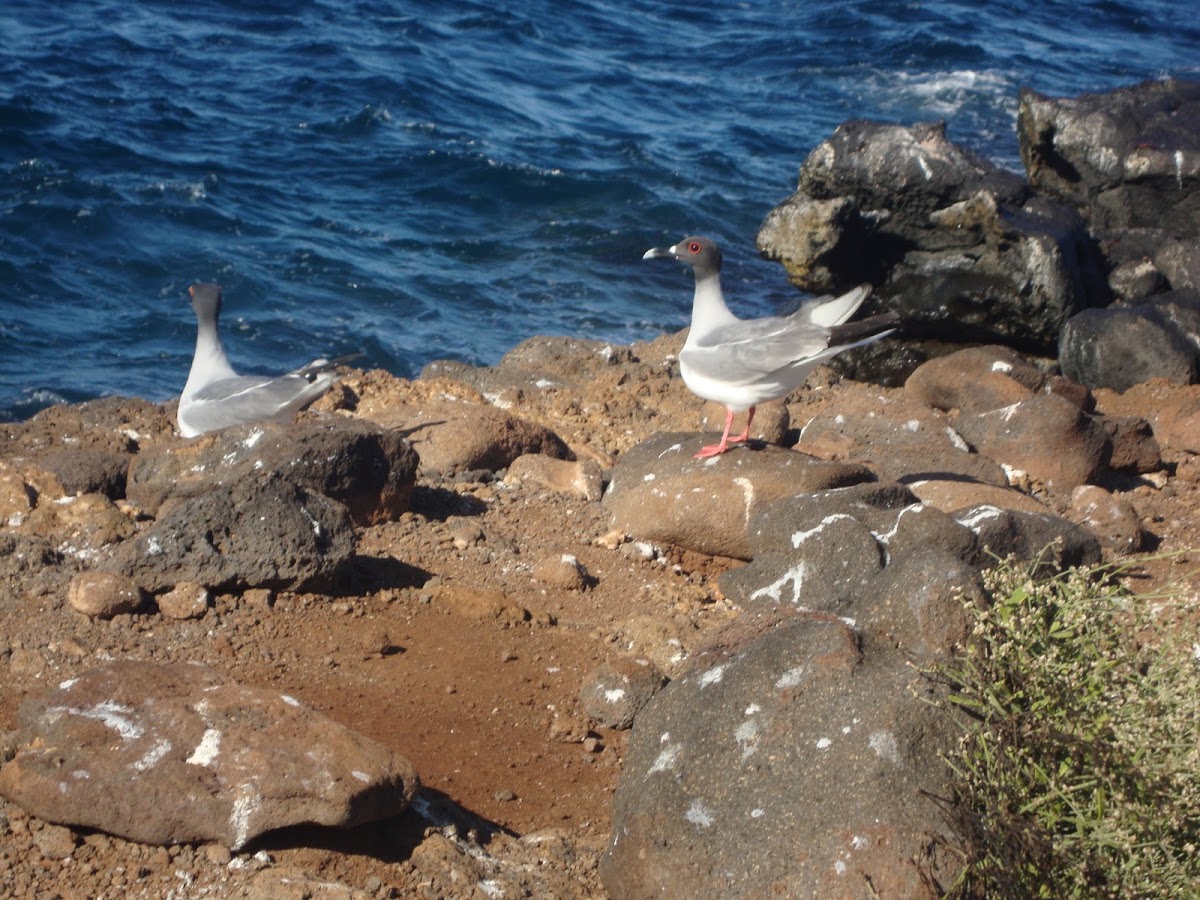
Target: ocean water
x=419 y=179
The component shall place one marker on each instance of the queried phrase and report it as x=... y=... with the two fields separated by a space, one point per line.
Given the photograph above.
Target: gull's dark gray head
x=701 y=253
x=206 y=301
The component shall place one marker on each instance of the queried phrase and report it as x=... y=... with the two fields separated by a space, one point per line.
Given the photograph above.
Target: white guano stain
x=747 y=494
x=316 y=526
x=957 y=440
x=884 y=745
x=207 y=750
x=791 y=678
x=747 y=737
x=712 y=676
x=615 y=695
x=801 y=536
x=153 y=756
x=665 y=761
x=117 y=717
x=244 y=806
x=698 y=814
x=886 y=536
x=981 y=515
x=796 y=575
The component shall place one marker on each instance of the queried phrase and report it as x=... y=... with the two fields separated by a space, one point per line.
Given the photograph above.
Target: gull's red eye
x=694 y=246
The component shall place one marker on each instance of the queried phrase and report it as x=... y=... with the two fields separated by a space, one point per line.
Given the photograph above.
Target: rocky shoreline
x=481 y=578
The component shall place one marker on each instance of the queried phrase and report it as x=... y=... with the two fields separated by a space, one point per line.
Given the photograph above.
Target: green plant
x=1080 y=759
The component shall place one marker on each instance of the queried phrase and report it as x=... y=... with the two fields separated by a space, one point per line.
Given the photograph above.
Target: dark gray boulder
x=258 y=532
x=1118 y=347
x=369 y=469
x=1129 y=158
x=1050 y=542
x=825 y=550
x=961 y=249
x=1179 y=260
x=795 y=767
x=1178 y=310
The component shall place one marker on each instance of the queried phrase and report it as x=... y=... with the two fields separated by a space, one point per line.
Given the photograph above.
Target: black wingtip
x=850 y=332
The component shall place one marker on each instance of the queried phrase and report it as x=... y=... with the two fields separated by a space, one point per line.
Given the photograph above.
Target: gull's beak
x=659 y=253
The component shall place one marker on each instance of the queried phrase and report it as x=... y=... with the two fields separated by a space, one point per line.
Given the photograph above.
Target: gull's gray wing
x=247 y=398
x=744 y=351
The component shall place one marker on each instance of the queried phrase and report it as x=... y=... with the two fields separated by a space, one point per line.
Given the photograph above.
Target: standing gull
x=216 y=396
x=743 y=362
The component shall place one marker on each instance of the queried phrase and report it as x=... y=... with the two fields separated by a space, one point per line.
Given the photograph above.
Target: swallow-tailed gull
x=216 y=396
x=743 y=362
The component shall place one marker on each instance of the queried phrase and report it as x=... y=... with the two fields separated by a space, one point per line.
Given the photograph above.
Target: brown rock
x=79 y=525
x=1045 y=436
x=452 y=427
x=1111 y=518
x=102 y=595
x=187 y=600
x=950 y=495
x=180 y=753
x=16 y=498
x=1134 y=448
x=576 y=478
x=659 y=492
x=563 y=571
x=615 y=692
x=481 y=604
x=55 y=842
x=976 y=379
x=1173 y=411
x=901 y=439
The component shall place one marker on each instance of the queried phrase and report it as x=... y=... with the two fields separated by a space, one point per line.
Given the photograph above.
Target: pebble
x=103 y=595
x=55 y=841
x=187 y=600
x=218 y=854
x=564 y=571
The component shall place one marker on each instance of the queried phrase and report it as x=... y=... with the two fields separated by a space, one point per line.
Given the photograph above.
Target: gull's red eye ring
x=694 y=246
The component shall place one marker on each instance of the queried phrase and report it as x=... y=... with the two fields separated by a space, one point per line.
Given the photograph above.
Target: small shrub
x=1080 y=762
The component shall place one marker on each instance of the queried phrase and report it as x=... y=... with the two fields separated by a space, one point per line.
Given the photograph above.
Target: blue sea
x=427 y=179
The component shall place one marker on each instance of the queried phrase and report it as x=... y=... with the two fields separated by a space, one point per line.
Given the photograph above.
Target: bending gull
x=215 y=396
x=743 y=362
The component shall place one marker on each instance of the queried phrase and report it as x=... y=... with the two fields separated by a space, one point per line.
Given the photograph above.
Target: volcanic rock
x=168 y=754
x=658 y=492
x=257 y=532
